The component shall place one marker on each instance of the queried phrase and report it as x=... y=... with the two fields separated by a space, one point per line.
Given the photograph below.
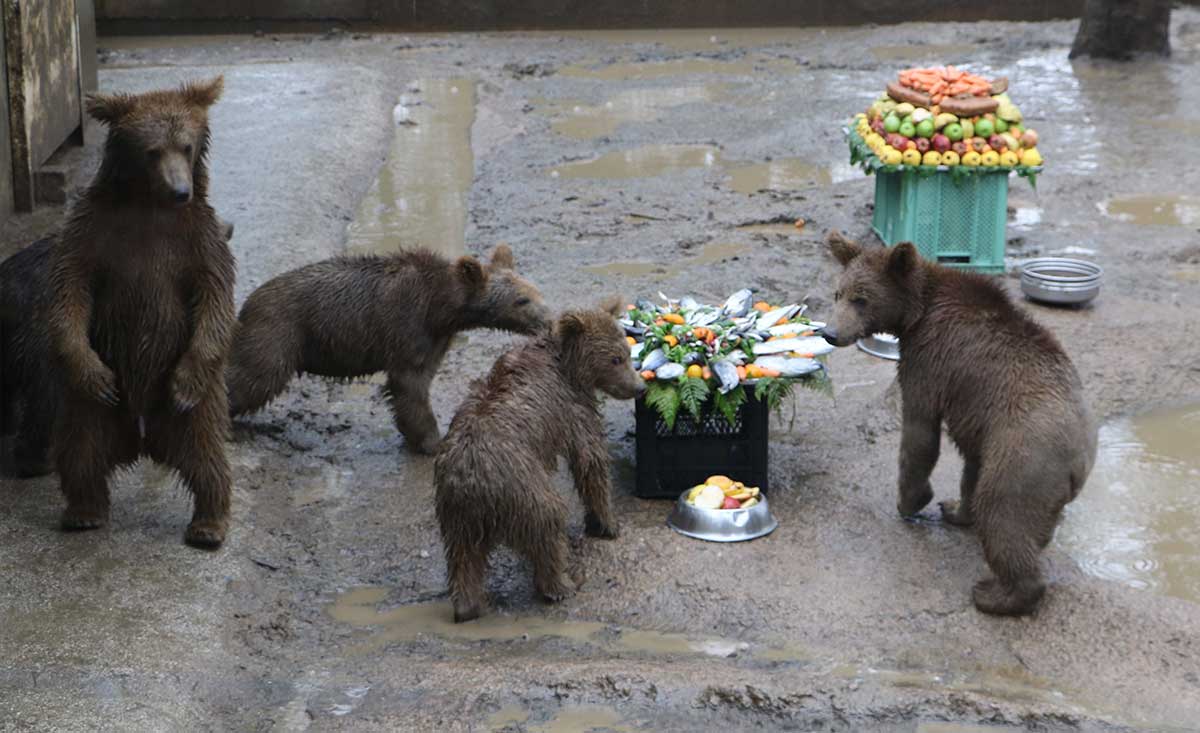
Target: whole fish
x=738 y=304
x=688 y=303
x=737 y=357
x=636 y=350
x=795 y=328
x=654 y=360
x=814 y=345
x=646 y=306
x=669 y=371
x=703 y=317
x=726 y=373
x=770 y=318
x=789 y=366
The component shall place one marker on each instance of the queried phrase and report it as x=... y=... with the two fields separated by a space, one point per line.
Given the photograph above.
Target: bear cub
x=354 y=316
x=141 y=312
x=1006 y=391
x=493 y=476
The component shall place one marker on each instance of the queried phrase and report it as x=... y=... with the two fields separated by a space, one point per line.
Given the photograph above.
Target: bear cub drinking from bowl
x=1005 y=389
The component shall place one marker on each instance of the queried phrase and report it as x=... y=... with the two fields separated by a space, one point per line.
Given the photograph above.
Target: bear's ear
x=502 y=258
x=902 y=260
x=612 y=305
x=570 y=326
x=109 y=108
x=203 y=94
x=843 y=249
x=471 y=273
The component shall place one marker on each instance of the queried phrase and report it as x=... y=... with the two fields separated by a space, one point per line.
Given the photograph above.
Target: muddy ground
x=326 y=608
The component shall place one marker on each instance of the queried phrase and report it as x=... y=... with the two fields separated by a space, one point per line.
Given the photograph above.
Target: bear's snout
x=181 y=194
x=831 y=335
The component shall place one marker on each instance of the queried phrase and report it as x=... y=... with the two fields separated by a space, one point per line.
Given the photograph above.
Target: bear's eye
x=187 y=150
x=616 y=360
x=521 y=302
x=858 y=301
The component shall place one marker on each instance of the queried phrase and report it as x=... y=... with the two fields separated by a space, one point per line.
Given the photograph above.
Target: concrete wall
x=118 y=16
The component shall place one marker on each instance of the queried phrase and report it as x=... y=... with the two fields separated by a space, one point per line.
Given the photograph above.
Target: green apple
x=984 y=128
x=954 y=131
x=1001 y=125
x=891 y=123
x=925 y=128
x=907 y=118
x=908 y=129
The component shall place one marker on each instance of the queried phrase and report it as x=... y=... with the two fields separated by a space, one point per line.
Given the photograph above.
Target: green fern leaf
x=692 y=394
x=729 y=403
x=664 y=397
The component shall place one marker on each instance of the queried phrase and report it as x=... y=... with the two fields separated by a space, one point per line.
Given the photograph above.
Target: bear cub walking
x=141 y=312
x=493 y=474
x=354 y=316
x=1005 y=389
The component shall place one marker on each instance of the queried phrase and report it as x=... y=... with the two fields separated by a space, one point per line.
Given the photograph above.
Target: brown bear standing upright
x=354 y=316
x=493 y=474
x=1009 y=396
x=30 y=386
x=142 y=312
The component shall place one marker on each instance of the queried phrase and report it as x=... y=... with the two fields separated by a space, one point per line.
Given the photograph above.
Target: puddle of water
x=701 y=39
x=1168 y=210
x=1177 y=124
x=582 y=718
x=944 y=727
x=359 y=607
x=643 y=162
x=709 y=254
x=1026 y=217
x=420 y=196
x=317 y=484
x=505 y=716
x=781 y=174
x=586 y=122
x=940 y=51
x=631 y=70
x=1137 y=521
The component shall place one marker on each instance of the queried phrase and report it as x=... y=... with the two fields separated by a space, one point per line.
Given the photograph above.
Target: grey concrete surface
x=325 y=610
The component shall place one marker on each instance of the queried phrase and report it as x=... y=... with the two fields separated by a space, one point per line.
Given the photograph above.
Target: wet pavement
x=683 y=160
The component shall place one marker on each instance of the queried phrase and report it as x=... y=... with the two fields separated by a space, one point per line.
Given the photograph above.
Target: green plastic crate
x=958 y=222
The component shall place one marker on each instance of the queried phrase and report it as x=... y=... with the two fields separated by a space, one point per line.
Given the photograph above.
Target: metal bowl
x=883 y=345
x=1060 y=280
x=722 y=525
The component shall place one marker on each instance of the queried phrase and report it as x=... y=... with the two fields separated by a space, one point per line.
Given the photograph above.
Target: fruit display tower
x=942 y=144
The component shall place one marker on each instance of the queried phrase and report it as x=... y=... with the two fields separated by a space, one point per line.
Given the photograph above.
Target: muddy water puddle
x=781 y=229
x=419 y=198
x=781 y=174
x=1137 y=521
x=645 y=162
x=635 y=70
x=586 y=122
x=710 y=254
x=1149 y=210
x=650 y=161
x=360 y=607
x=569 y=719
x=702 y=39
x=943 y=52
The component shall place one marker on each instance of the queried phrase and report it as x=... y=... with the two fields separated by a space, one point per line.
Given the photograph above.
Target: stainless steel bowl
x=722 y=525
x=883 y=345
x=1060 y=280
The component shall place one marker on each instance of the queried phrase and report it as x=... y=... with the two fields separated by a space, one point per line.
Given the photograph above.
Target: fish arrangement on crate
x=690 y=353
x=944 y=119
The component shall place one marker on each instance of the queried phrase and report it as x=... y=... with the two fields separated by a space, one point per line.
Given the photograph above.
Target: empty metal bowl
x=1060 y=280
x=883 y=345
x=722 y=525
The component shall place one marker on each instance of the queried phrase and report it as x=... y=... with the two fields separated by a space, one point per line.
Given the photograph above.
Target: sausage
x=912 y=96
x=969 y=106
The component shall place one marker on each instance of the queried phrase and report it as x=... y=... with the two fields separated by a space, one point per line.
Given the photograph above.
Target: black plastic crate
x=671 y=461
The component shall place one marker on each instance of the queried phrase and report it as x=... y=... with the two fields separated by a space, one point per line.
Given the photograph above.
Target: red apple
x=923 y=145
x=731 y=503
x=941 y=143
x=1029 y=139
x=877 y=126
x=961 y=148
x=978 y=144
x=998 y=143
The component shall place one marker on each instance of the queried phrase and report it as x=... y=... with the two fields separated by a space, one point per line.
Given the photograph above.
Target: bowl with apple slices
x=722 y=510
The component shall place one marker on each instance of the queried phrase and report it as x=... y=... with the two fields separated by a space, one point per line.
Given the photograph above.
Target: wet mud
x=683 y=160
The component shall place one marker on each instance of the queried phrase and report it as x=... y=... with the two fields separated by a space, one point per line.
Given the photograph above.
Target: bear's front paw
x=77 y=519
x=187 y=385
x=593 y=526
x=426 y=446
x=913 y=501
x=558 y=590
x=99 y=383
x=993 y=597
